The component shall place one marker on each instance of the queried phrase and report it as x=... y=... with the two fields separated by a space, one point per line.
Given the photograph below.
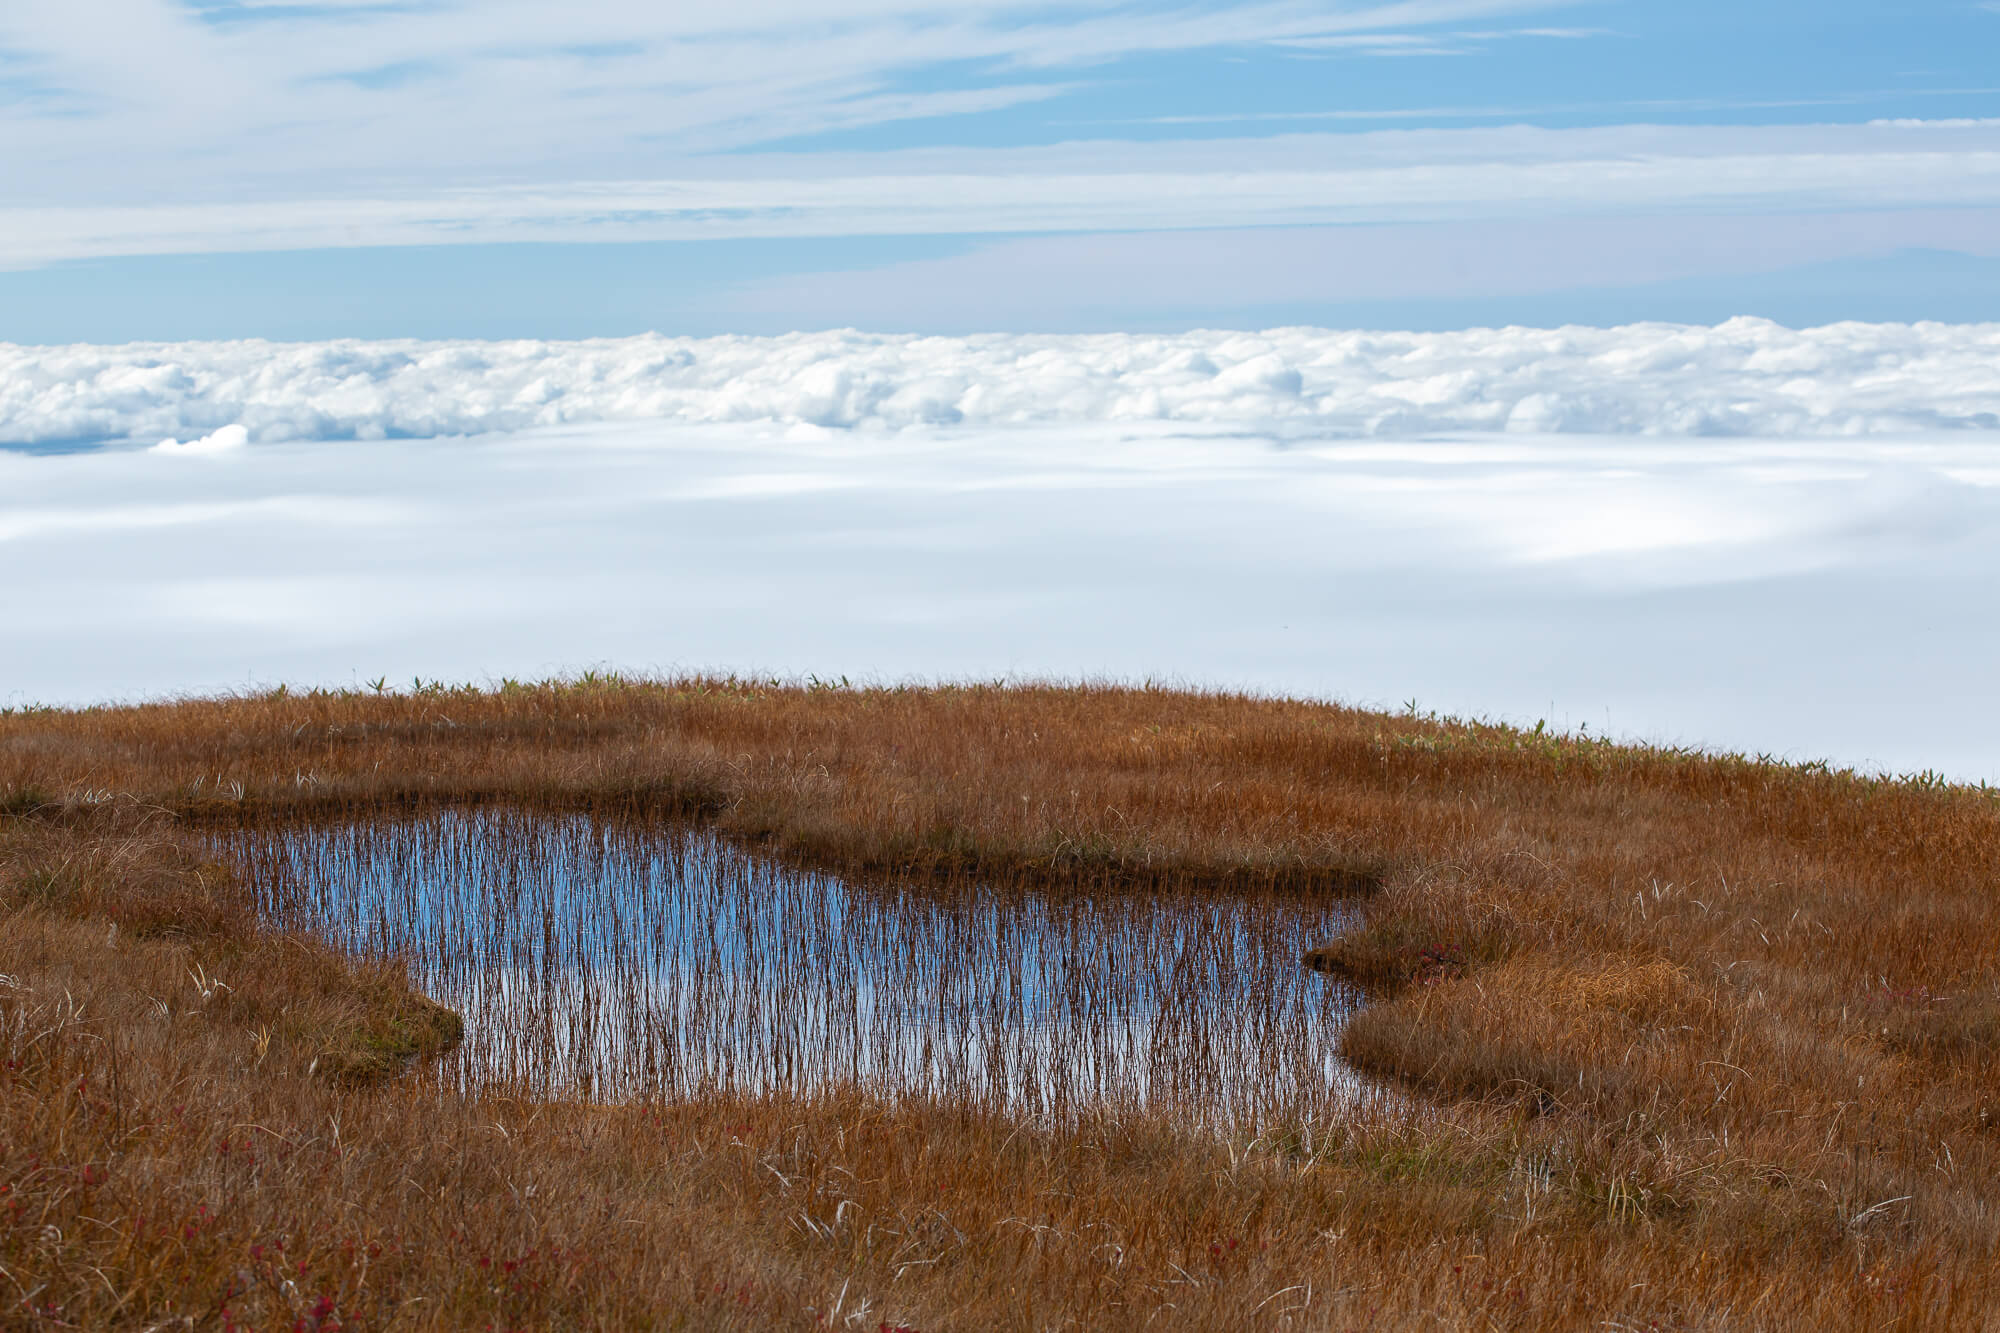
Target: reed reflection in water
x=611 y=961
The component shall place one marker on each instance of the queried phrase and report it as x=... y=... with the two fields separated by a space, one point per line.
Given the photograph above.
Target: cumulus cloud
x=1747 y=377
x=226 y=440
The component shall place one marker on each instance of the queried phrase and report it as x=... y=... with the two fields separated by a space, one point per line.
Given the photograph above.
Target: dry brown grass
x=1691 y=1042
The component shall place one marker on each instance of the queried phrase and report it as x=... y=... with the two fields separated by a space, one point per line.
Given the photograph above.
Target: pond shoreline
x=666 y=952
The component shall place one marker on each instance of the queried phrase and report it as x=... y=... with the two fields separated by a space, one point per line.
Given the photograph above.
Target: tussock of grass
x=1686 y=1041
x=21 y=801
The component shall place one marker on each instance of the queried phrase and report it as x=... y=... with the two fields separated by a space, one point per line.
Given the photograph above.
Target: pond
x=612 y=961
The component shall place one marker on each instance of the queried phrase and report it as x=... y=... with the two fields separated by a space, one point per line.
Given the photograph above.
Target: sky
x=1744 y=535
x=228 y=168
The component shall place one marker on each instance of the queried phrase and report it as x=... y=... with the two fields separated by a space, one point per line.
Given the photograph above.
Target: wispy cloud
x=1376 y=44
x=1428 y=43
x=401 y=74
x=1633 y=107
x=1295 y=180
x=26 y=89
x=412 y=89
x=266 y=124
x=224 y=13
x=1553 y=34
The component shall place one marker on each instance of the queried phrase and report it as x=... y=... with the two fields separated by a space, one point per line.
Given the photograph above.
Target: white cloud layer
x=1746 y=377
x=1813 y=597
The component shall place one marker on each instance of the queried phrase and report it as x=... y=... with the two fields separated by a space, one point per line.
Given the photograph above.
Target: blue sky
x=214 y=168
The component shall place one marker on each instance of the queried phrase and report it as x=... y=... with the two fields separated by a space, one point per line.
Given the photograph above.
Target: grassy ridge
x=1693 y=1042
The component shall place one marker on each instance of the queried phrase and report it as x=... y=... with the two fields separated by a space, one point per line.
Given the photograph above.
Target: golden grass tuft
x=1640 y=991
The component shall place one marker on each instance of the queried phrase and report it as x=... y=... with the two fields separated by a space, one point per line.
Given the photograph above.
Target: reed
x=615 y=962
x=1668 y=1040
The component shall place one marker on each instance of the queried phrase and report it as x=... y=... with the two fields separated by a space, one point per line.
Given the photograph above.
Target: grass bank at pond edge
x=1697 y=1041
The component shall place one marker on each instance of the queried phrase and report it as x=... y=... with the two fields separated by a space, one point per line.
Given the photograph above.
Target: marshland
x=705 y=1002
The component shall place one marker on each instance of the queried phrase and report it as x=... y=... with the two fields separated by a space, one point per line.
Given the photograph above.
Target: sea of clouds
x=1747 y=377
x=1806 y=597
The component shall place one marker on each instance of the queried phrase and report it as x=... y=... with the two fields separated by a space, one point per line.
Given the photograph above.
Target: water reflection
x=608 y=961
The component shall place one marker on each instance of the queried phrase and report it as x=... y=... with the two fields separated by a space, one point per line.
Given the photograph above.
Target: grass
x=1683 y=1041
